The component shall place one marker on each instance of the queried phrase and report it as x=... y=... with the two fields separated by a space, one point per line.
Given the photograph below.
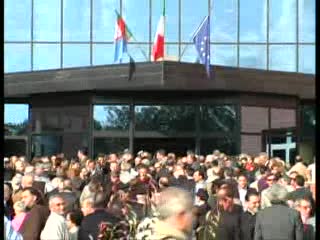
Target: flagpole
x=185 y=48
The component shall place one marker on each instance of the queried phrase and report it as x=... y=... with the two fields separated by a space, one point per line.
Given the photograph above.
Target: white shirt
x=55 y=228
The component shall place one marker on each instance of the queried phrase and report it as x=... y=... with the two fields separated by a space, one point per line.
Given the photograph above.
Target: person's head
x=87 y=206
x=19 y=207
x=299 y=159
x=39 y=170
x=277 y=193
x=202 y=195
x=178 y=170
x=143 y=172
x=27 y=180
x=292 y=177
x=160 y=154
x=271 y=179
x=225 y=198
x=91 y=165
x=19 y=166
x=175 y=207
x=30 y=197
x=57 y=204
x=73 y=219
x=299 y=181
x=125 y=166
x=114 y=166
x=303 y=206
x=83 y=152
x=198 y=176
x=242 y=181
x=114 y=177
x=6 y=192
x=163 y=182
x=228 y=172
x=253 y=201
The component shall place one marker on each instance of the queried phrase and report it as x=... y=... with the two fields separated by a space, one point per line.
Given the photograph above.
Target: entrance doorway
x=281 y=143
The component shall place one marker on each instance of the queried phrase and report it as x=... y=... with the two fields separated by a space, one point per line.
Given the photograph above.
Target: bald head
x=27 y=180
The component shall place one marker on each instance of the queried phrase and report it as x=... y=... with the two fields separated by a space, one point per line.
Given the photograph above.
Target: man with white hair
x=278 y=221
x=175 y=217
x=56 y=225
x=26 y=182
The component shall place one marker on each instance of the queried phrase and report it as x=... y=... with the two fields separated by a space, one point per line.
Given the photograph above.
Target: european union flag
x=201 y=40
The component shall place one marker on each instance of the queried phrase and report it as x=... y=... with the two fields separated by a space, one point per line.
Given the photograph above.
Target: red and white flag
x=158 y=45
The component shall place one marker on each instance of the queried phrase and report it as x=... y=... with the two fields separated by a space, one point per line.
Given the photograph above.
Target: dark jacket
x=229 y=224
x=302 y=193
x=35 y=222
x=90 y=224
x=248 y=222
x=278 y=222
x=237 y=194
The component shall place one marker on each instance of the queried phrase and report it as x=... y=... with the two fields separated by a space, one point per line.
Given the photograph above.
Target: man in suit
x=248 y=218
x=243 y=189
x=278 y=221
x=38 y=214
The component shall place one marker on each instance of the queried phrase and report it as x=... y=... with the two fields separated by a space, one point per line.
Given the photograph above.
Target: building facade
x=274 y=37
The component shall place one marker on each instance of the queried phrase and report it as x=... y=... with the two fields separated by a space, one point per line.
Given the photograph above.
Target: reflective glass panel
x=192 y=14
x=111 y=117
x=76 y=55
x=46 y=145
x=282 y=21
x=307 y=20
x=76 y=20
x=138 y=21
x=16 y=117
x=103 y=54
x=17 y=57
x=307 y=59
x=282 y=58
x=17 y=24
x=139 y=52
x=47 y=20
x=46 y=56
x=189 y=53
x=164 y=118
x=224 y=55
x=171 y=20
x=309 y=120
x=253 y=56
x=110 y=145
x=218 y=118
x=224 y=15
x=104 y=19
x=253 y=20
x=226 y=145
x=172 y=52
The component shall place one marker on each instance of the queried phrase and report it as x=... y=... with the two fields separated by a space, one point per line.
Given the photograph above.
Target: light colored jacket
x=55 y=228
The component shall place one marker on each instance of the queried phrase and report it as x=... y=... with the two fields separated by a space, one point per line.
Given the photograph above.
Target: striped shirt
x=9 y=232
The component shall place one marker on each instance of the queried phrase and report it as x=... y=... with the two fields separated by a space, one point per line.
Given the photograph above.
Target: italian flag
x=158 y=46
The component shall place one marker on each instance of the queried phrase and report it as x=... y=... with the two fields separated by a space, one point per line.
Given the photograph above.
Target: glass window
x=307 y=20
x=139 y=52
x=46 y=145
x=16 y=117
x=165 y=119
x=103 y=54
x=253 y=21
x=17 y=57
x=225 y=55
x=189 y=53
x=110 y=145
x=253 y=56
x=192 y=14
x=104 y=20
x=17 y=147
x=47 y=20
x=76 y=55
x=172 y=52
x=224 y=17
x=138 y=21
x=171 y=19
x=308 y=120
x=76 y=20
x=17 y=24
x=282 y=19
x=218 y=118
x=111 y=117
x=226 y=145
x=307 y=58
x=282 y=58
x=46 y=56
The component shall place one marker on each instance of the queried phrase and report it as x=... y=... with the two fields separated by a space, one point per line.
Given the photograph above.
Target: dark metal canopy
x=160 y=76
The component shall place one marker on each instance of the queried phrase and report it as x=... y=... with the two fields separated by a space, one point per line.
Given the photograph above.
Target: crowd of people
x=160 y=196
